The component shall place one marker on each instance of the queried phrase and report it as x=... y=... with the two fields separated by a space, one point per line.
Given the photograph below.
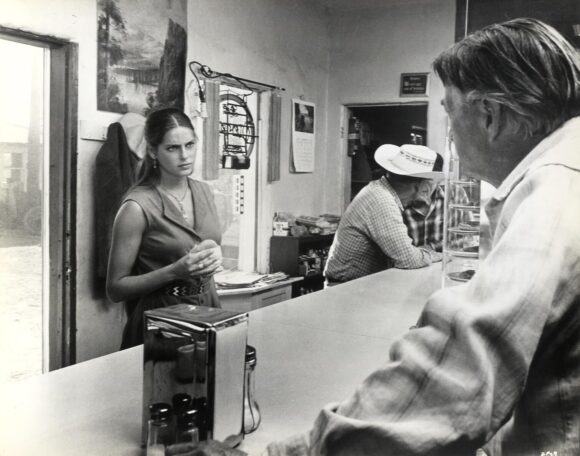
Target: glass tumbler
x=252 y=415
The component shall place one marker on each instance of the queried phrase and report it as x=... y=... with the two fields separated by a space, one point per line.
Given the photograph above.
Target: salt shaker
x=186 y=430
x=158 y=428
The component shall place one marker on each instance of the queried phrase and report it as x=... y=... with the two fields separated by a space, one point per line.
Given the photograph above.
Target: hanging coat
x=114 y=175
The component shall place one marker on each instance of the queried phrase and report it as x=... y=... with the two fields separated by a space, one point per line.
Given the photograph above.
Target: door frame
x=345 y=110
x=61 y=124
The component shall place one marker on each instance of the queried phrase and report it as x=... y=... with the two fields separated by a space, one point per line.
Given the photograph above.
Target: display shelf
x=464 y=207
x=462 y=231
x=286 y=253
x=462 y=253
x=470 y=230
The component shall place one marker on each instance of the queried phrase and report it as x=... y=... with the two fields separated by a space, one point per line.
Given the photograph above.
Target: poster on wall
x=141 y=54
x=303 y=118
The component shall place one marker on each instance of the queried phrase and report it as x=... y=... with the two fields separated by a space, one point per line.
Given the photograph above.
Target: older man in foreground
x=494 y=363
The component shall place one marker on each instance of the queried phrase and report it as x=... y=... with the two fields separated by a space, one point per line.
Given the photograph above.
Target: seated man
x=424 y=216
x=371 y=235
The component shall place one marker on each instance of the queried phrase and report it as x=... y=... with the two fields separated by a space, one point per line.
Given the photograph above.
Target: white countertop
x=311 y=350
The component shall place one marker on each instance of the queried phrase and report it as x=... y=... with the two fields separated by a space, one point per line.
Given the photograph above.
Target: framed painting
x=141 y=57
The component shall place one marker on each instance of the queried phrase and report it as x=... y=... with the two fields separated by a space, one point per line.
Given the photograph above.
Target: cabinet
x=251 y=298
x=303 y=256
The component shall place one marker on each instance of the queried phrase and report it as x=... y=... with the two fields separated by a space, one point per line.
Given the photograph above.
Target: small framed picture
x=414 y=84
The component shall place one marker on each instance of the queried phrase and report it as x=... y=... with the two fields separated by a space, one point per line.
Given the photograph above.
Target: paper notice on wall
x=303 y=136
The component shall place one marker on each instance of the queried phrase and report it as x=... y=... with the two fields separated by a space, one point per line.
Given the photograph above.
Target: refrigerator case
x=198 y=351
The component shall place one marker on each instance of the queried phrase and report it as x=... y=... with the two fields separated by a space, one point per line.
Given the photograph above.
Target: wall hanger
x=206 y=72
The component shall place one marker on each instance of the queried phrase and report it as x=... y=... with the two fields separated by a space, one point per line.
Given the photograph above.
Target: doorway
x=37 y=201
x=371 y=126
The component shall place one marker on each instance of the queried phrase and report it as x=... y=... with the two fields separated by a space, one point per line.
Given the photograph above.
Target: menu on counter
x=229 y=279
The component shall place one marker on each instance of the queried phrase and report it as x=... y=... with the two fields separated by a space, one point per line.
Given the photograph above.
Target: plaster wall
x=372 y=44
x=283 y=43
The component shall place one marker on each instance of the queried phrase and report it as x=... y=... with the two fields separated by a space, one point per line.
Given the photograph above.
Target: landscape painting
x=142 y=51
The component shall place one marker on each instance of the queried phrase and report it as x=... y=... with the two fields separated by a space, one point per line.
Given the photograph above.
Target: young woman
x=166 y=235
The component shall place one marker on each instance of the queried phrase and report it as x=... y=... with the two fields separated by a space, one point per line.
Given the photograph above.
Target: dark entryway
x=385 y=124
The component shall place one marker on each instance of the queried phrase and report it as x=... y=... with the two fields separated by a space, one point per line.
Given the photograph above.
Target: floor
x=20 y=306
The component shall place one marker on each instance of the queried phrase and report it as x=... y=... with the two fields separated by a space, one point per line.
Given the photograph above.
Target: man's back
x=354 y=253
x=539 y=219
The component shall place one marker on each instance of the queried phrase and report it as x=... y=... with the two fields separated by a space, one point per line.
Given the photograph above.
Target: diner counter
x=311 y=350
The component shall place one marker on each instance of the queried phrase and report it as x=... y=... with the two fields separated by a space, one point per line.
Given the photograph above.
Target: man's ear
x=493 y=117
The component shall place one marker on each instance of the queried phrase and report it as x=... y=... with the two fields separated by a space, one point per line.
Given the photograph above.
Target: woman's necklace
x=180 y=201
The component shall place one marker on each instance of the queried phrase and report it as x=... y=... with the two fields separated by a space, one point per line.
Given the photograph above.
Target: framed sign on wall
x=414 y=84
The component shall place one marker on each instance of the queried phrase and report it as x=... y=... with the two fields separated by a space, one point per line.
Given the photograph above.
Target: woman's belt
x=178 y=289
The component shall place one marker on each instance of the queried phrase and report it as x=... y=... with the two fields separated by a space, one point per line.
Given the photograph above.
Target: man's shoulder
x=372 y=202
x=377 y=189
x=372 y=194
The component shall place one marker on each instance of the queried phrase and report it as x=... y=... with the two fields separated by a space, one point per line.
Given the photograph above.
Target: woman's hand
x=205 y=259
x=212 y=263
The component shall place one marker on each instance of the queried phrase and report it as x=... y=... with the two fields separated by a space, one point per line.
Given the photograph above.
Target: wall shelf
x=285 y=253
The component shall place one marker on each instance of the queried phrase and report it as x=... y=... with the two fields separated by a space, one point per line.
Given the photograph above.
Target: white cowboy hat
x=410 y=160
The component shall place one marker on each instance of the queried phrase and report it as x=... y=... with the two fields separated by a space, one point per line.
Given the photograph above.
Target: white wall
x=353 y=56
x=372 y=44
x=283 y=43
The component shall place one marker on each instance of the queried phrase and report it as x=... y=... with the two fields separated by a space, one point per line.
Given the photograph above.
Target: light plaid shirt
x=372 y=236
x=502 y=348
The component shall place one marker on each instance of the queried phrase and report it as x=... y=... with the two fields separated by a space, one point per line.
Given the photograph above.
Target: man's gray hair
x=522 y=64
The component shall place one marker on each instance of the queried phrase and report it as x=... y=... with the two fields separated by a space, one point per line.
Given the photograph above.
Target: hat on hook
x=410 y=160
x=134 y=126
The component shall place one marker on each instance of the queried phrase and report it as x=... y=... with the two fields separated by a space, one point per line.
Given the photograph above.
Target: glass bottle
x=158 y=428
x=200 y=405
x=186 y=429
x=252 y=415
x=181 y=403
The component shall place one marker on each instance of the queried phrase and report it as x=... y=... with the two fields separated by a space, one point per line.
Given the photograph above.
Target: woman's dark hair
x=524 y=65
x=158 y=123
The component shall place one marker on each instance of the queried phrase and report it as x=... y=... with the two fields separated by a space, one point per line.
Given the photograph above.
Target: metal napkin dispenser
x=197 y=352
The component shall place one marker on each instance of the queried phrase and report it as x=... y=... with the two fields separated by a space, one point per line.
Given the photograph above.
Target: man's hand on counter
x=207 y=448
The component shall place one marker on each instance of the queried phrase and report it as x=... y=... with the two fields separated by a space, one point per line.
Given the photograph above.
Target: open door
x=369 y=126
x=37 y=200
